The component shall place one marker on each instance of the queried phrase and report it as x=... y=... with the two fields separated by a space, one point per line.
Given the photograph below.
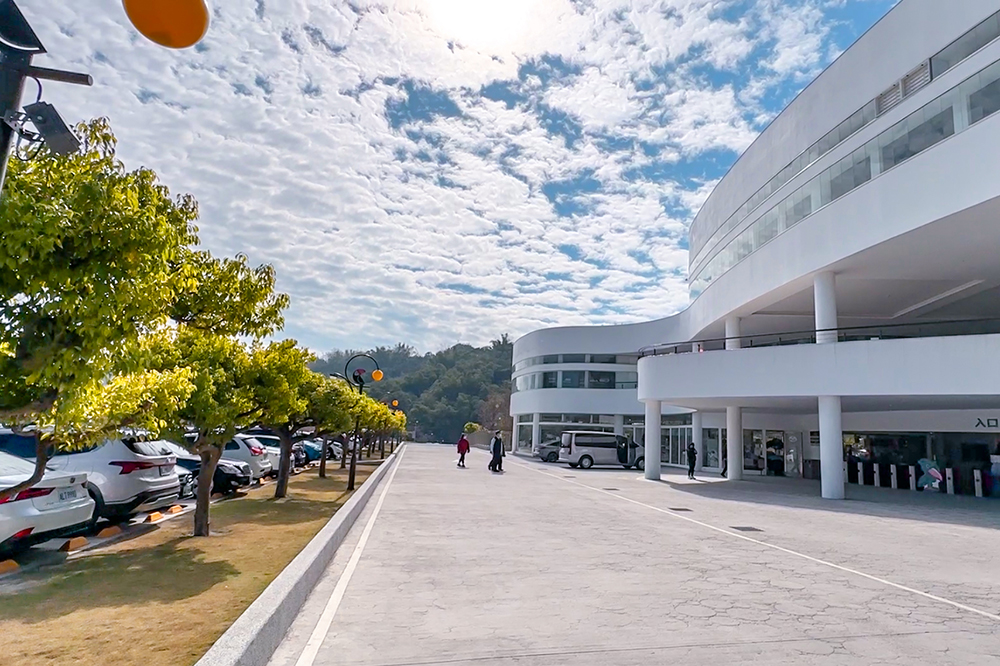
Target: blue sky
x=436 y=171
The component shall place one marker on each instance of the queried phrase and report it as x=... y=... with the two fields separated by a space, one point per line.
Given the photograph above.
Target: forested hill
x=443 y=391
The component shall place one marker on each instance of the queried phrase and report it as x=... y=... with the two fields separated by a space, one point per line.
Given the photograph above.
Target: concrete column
x=696 y=437
x=652 y=453
x=825 y=296
x=734 y=443
x=536 y=432
x=733 y=333
x=619 y=424
x=831 y=447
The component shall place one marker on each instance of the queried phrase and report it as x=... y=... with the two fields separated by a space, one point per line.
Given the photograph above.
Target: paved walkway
x=546 y=565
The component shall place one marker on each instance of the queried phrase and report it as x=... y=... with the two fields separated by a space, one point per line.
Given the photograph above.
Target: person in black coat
x=692 y=456
x=496 y=448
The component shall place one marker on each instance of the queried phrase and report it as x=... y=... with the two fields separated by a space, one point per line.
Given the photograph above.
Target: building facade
x=844 y=282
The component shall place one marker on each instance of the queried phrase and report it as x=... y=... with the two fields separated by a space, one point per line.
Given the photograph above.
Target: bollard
x=913 y=477
x=861 y=474
x=893 y=477
x=950 y=479
x=978 y=476
x=878 y=476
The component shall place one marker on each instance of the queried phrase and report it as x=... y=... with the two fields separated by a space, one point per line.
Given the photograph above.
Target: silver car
x=549 y=451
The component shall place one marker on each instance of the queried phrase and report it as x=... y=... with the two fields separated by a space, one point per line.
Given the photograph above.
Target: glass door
x=775 y=443
x=754 y=455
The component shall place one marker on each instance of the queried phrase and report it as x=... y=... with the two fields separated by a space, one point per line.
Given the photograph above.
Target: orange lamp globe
x=377 y=375
x=176 y=24
x=395 y=403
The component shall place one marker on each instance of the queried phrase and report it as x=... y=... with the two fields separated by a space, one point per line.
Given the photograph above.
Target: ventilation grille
x=917 y=79
x=888 y=99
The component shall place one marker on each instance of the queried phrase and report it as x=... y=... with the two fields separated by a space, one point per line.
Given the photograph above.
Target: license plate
x=165 y=470
x=66 y=495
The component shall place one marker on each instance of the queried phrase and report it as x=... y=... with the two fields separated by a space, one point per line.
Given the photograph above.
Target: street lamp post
x=357 y=380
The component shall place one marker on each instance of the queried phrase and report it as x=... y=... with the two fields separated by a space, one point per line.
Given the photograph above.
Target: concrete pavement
x=547 y=565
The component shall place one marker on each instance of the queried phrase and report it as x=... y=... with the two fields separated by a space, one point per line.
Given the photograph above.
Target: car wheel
x=95 y=495
x=552 y=457
x=640 y=464
x=586 y=462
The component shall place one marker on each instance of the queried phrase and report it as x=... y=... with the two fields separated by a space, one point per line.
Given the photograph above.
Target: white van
x=582 y=448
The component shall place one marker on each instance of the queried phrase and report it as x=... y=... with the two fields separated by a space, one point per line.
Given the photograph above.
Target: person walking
x=496 y=448
x=692 y=454
x=463 y=448
x=725 y=460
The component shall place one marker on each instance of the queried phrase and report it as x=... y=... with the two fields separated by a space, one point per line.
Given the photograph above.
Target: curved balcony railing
x=932 y=329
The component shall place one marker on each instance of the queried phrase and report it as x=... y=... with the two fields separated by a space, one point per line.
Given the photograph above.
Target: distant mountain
x=443 y=391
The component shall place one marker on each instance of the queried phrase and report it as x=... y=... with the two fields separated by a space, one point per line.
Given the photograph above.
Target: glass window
x=573 y=378
x=607 y=419
x=600 y=380
x=577 y=418
x=574 y=358
x=524 y=436
x=854 y=174
x=603 y=358
x=675 y=419
x=920 y=138
x=626 y=380
x=551 y=418
x=966 y=45
x=550 y=380
x=710 y=440
x=628 y=359
x=21 y=446
x=984 y=102
x=635 y=420
x=548 y=360
x=524 y=418
x=232 y=445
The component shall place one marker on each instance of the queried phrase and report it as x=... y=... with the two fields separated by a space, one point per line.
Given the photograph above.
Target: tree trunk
x=322 y=457
x=285 y=465
x=206 y=473
x=381 y=445
x=41 y=459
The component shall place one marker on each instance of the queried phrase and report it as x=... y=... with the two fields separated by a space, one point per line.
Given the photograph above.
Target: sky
x=443 y=171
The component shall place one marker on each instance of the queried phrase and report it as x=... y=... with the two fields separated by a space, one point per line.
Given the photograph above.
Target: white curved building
x=844 y=279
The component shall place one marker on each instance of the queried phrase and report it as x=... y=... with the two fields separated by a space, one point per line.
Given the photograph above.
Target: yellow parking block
x=114 y=530
x=8 y=566
x=176 y=508
x=76 y=543
x=153 y=517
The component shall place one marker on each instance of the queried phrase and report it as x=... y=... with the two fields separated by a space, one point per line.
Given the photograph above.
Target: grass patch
x=164 y=598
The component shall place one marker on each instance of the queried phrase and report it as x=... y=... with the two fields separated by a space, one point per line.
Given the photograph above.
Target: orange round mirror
x=176 y=24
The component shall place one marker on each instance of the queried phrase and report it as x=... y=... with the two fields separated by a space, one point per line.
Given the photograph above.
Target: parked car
x=125 y=475
x=187 y=480
x=273 y=444
x=230 y=475
x=251 y=451
x=313 y=449
x=549 y=451
x=58 y=505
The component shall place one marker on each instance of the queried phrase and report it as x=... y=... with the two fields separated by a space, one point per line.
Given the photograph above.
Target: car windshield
x=14 y=466
x=154 y=448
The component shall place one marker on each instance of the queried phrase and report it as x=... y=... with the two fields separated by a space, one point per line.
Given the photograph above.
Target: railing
x=844 y=334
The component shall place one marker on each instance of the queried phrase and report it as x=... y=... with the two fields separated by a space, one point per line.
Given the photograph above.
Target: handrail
x=809 y=336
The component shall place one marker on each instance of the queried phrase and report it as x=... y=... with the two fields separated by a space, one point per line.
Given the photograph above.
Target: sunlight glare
x=489 y=26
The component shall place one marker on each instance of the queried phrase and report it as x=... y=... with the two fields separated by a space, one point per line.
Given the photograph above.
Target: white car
x=124 y=475
x=251 y=451
x=58 y=505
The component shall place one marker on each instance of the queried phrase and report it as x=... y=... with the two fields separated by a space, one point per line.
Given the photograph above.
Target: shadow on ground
x=127 y=578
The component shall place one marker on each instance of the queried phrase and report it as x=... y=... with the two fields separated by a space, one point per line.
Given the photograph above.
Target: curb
x=256 y=634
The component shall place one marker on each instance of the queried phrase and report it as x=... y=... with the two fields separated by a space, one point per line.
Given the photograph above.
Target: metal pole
x=12 y=68
x=354 y=448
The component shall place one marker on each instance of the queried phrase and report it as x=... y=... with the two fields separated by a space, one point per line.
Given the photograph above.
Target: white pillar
x=536 y=432
x=831 y=447
x=825 y=296
x=652 y=453
x=733 y=333
x=619 y=424
x=696 y=438
x=734 y=443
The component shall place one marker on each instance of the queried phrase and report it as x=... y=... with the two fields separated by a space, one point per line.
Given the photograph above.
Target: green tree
x=220 y=404
x=88 y=259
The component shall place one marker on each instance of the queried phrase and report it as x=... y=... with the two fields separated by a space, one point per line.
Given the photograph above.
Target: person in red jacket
x=463 y=448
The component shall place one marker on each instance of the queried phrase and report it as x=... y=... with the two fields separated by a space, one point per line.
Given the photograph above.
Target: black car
x=230 y=475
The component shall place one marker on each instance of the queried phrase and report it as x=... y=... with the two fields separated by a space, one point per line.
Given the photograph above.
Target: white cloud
x=439 y=227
